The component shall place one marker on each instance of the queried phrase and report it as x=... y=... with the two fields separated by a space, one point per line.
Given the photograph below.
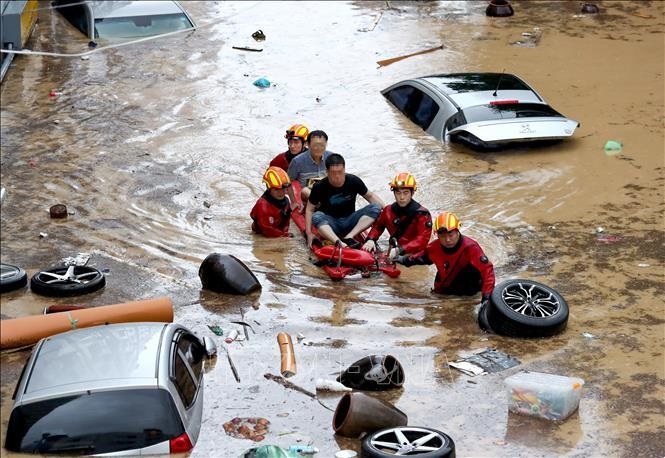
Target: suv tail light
x=180 y=444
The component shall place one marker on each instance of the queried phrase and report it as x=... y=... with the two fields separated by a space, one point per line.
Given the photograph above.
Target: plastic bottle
x=303 y=449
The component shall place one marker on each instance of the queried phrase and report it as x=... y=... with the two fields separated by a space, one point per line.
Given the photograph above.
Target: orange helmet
x=403 y=180
x=297 y=130
x=445 y=222
x=276 y=178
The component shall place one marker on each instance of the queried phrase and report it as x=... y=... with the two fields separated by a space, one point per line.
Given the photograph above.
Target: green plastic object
x=613 y=147
x=270 y=451
x=216 y=330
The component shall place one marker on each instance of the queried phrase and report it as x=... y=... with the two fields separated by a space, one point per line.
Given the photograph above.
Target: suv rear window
x=509 y=111
x=99 y=422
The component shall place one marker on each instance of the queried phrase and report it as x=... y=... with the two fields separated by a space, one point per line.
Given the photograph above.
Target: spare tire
x=64 y=281
x=526 y=308
x=407 y=441
x=225 y=273
x=11 y=278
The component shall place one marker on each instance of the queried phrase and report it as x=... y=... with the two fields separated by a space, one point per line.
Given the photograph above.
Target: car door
x=187 y=376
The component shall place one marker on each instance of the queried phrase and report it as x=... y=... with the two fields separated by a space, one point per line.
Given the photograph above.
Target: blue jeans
x=342 y=226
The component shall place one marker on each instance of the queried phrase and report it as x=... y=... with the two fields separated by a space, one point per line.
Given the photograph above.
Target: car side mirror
x=210 y=347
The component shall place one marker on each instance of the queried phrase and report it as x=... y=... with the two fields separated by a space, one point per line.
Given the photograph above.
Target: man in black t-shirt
x=331 y=207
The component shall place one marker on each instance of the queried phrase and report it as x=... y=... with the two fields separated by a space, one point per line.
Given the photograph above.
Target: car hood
x=519 y=130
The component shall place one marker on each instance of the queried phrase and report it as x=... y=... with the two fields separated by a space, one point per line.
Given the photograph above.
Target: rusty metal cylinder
x=288 y=366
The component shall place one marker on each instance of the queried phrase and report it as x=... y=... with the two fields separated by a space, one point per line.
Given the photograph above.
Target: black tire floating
x=407 y=441
x=64 y=281
x=11 y=278
x=526 y=308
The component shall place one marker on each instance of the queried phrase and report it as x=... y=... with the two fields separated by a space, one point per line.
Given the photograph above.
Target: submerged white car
x=482 y=110
x=117 y=389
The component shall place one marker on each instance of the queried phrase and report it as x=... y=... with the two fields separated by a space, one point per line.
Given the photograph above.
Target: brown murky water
x=159 y=147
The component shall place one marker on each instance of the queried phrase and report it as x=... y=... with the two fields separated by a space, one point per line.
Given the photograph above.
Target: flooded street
x=158 y=149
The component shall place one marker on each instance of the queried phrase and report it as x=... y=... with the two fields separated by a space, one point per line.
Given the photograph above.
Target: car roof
x=470 y=89
x=96 y=358
x=103 y=9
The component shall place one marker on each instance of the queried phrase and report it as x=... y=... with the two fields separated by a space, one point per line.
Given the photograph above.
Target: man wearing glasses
x=462 y=267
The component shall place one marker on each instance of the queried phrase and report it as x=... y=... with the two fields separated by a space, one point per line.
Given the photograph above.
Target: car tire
x=483 y=320
x=526 y=308
x=11 y=278
x=388 y=442
x=83 y=280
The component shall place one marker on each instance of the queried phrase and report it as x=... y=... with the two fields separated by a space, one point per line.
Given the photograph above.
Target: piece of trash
x=600 y=229
x=92 y=44
x=245 y=48
x=300 y=336
x=261 y=82
x=268 y=451
x=216 y=330
x=499 y=8
x=486 y=361
x=549 y=396
x=374 y=373
x=330 y=385
x=233 y=335
x=253 y=428
x=85 y=57
x=590 y=8
x=206 y=204
x=500 y=442
x=643 y=264
x=588 y=335
x=288 y=364
x=318 y=99
x=613 y=147
x=259 y=35
x=81 y=259
x=346 y=454
x=54 y=93
x=392 y=60
x=303 y=449
x=608 y=238
x=283 y=415
x=3 y=192
x=58 y=211
x=43 y=235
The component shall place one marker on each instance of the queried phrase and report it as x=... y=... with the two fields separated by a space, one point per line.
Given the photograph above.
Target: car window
x=96 y=422
x=456 y=120
x=187 y=367
x=415 y=104
x=509 y=111
x=140 y=26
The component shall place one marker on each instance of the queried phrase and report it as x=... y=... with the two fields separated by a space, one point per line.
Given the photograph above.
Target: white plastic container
x=549 y=396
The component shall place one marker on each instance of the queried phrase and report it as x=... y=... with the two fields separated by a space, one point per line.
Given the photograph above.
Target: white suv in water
x=482 y=110
x=117 y=389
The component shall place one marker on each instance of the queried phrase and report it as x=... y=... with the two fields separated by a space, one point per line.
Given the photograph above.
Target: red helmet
x=276 y=178
x=446 y=222
x=297 y=130
x=403 y=180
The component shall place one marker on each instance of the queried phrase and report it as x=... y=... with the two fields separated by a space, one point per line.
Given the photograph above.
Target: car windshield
x=508 y=111
x=140 y=26
x=99 y=422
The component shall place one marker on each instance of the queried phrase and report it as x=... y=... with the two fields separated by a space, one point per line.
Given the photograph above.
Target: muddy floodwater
x=157 y=150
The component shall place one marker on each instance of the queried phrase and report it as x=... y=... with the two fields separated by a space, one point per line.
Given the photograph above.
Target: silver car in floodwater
x=482 y=110
x=117 y=389
x=124 y=19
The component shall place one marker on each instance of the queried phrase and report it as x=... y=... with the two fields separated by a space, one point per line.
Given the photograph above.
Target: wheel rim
x=531 y=300
x=80 y=275
x=406 y=441
x=7 y=271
